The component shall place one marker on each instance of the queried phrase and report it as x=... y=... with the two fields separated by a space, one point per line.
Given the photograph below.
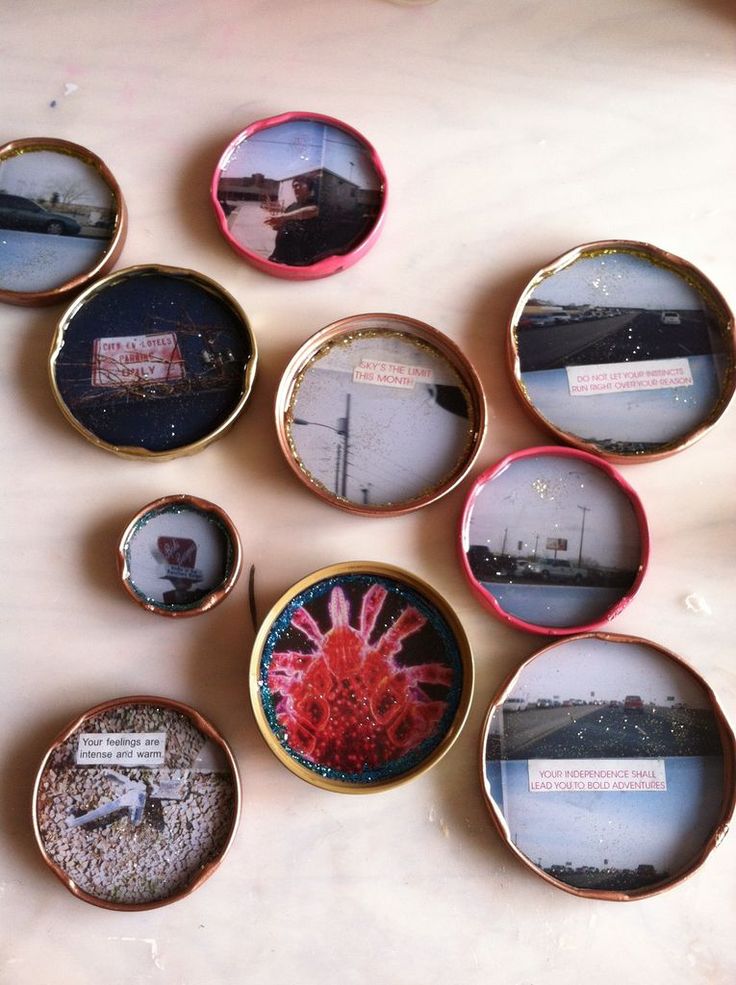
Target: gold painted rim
x=115 y=244
x=697 y=280
x=203 y=726
x=209 y=285
x=382 y=324
x=433 y=598
x=213 y=598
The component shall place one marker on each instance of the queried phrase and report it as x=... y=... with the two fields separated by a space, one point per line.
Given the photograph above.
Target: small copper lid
x=608 y=766
x=623 y=350
x=179 y=556
x=361 y=677
x=63 y=220
x=300 y=195
x=153 y=362
x=136 y=803
x=553 y=540
x=380 y=414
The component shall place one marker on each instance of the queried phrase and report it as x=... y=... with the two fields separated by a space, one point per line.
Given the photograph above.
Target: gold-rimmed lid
x=63 y=220
x=179 y=556
x=136 y=803
x=623 y=350
x=608 y=766
x=167 y=386
x=380 y=414
x=361 y=677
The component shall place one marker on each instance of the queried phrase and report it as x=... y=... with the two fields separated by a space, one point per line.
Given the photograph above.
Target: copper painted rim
x=213 y=598
x=413 y=330
x=728 y=743
x=618 y=480
x=694 y=277
x=433 y=598
x=207 y=284
x=332 y=264
x=108 y=258
x=205 y=728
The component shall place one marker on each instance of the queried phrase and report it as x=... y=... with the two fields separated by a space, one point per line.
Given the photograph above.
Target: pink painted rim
x=329 y=265
x=491 y=603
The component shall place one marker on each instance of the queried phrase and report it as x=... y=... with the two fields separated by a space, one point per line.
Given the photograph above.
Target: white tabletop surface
x=510 y=132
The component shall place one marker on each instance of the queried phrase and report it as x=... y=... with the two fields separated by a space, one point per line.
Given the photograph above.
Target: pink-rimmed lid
x=300 y=195
x=553 y=540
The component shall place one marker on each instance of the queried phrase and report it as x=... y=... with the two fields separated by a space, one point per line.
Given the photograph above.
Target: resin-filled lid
x=300 y=195
x=553 y=540
x=153 y=362
x=136 y=803
x=62 y=216
x=608 y=767
x=179 y=556
x=623 y=350
x=361 y=677
x=380 y=414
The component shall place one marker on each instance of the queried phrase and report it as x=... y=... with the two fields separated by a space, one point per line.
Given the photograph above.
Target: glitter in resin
x=353 y=704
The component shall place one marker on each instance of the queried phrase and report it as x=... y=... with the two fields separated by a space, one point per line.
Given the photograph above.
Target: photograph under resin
x=177 y=555
x=135 y=804
x=360 y=679
x=57 y=216
x=297 y=192
x=380 y=419
x=153 y=361
x=605 y=766
x=622 y=352
x=554 y=540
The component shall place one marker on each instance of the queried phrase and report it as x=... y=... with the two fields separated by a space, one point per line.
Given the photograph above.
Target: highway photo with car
x=621 y=352
x=605 y=761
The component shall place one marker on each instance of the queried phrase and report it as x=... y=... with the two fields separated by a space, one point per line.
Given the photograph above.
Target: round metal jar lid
x=553 y=540
x=608 y=766
x=179 y=556
x=361 y=677
x=136 y=803
x=153 y=362
x=623 y=350
x=300 y=195
x=62 y=220
x=380 y=414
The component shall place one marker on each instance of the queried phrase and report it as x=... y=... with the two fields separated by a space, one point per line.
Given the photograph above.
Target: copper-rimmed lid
x=63 y=219
x=553 y=540
x=136 y=803
x=300 y=195
x=153 y=362
x=380 y=414
x=361 y=677
x=623 y=350
x=608 y=766
x=179 y=556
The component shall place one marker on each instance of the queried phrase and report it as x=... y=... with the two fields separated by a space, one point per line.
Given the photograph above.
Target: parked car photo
x=23 y=214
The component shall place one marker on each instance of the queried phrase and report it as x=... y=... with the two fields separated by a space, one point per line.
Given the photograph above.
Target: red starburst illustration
x=348 y=705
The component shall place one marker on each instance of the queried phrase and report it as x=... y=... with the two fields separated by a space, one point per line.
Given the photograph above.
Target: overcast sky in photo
x=302 y=145
x=543 y=495
x=38 y=174
x=618 y=280
x=612 y=670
